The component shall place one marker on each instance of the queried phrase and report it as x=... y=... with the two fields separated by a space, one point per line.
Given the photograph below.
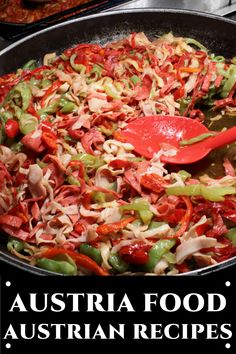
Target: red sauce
x=19 y=11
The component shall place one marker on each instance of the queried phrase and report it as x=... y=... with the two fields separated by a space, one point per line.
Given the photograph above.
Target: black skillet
x=216 y=33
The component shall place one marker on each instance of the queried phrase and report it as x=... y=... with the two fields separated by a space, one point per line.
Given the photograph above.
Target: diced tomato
x=49 y=140
x=12 y=128
x=136 y=253
x=120 y=164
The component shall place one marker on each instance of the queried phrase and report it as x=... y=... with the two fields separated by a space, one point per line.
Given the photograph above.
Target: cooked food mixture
x=75 y=196
x=19 y=11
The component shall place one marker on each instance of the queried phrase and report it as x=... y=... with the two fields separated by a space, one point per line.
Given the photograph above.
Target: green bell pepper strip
x=61 y=267
x=25 y=93
x=184 y=175
x=4 y=116
x=43 y=112
x=80 y=68
x=118 y=263
x=67 y=107
x=196 y=43
x=214 y=194
x=16 y=245
x=95 y=73
x=230 y=82
x=17 y=147
x=184 y=102
x=143 y=209
x=108 y=132
x=90 y=161
x=45 y=83
x=91 y=252
x=231 y=235
x=111 y=91
x=27 y=123
x=146 y=216
x=157 y=251
x=73 y=181
x=169 y=257
x=218 y=58
x=41 y=163
x=30 y=65
x=64 y=57
x=196 y=139
x=135 y=79
x=99 y=197
x=156 y=224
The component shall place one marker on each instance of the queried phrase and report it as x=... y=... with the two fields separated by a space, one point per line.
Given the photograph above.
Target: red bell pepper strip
x=153 y=182
x=79 y=228
x=223 y=253
x=77 y=165
x=179 y=93
x=12 y=128
x=107 y=229
x=81 y=260
x=46 y=126
x=117 y=163
x=31 y=110
x=184 y=222
x=54 y=87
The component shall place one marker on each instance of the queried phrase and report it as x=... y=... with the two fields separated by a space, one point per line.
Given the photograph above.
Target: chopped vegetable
x=76 y=197
x=231 y=234
x=91 y=252
x=214 y=194
x=12 y=128
x=143 y=209
x=158 y=250
x=118 y=263
x=57 y=266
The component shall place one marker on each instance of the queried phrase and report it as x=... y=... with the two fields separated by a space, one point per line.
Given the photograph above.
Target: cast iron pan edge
x=214 y=32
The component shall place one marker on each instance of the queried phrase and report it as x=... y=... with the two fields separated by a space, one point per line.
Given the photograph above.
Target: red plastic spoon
x=148 y=134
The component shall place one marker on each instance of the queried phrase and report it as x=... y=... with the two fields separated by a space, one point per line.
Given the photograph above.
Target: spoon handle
x=221 y=139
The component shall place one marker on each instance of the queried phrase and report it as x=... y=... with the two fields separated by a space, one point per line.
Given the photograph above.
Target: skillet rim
x=115 y=12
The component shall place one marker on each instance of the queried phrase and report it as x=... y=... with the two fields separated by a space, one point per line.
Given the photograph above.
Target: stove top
x=220 y=7
x=225 y=8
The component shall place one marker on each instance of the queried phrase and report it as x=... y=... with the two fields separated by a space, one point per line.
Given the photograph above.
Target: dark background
x=25 y=283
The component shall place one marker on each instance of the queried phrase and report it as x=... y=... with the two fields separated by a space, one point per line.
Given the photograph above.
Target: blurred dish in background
x=19 y=11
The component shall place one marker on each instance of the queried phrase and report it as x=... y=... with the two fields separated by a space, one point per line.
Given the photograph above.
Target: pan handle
x=227 y=10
